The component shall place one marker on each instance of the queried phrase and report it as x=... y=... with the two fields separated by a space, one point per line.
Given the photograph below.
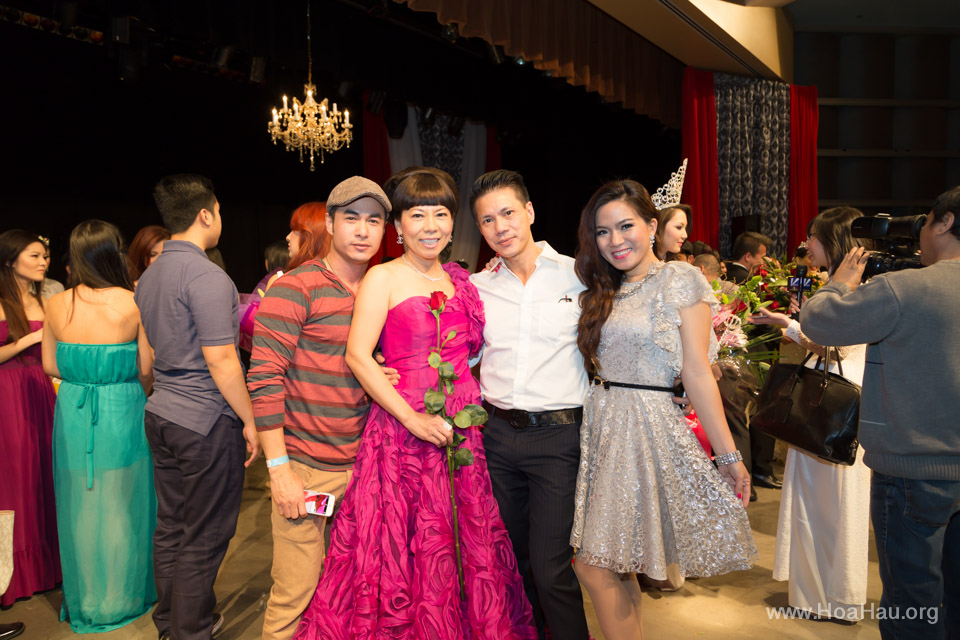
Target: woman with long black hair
x=821 y=500
x=103 y=472
x=27 y=398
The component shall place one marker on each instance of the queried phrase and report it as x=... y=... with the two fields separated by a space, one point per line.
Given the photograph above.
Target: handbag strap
x=824 y=362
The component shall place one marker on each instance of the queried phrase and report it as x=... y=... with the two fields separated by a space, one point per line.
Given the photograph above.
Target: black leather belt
x=609 y=383
x=520 y=419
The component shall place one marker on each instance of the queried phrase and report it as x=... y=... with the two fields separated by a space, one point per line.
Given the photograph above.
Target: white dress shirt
x=530 y=359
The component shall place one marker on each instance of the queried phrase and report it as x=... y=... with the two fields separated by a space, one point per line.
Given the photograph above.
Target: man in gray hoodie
x=909 y=412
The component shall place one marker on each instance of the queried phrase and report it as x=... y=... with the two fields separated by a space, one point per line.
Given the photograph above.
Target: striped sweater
x=299 y=379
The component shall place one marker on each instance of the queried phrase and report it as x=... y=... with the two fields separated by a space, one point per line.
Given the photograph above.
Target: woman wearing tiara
x=391 y=570
x=647 y=495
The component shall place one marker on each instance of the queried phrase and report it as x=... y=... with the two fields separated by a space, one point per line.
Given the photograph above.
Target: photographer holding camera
x=909 y=409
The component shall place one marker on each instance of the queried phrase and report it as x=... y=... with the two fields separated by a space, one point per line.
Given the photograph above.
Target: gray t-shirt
x=186 y=302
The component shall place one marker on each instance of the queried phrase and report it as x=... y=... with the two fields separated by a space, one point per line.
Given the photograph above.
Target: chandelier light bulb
x=311 y=128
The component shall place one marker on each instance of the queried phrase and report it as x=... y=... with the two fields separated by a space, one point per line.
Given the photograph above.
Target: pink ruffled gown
x=391 y=569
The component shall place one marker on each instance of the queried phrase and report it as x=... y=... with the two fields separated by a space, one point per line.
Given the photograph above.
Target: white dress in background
x=823 y=530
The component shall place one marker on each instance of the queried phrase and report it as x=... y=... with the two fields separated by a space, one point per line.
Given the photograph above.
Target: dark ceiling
x=89 y=129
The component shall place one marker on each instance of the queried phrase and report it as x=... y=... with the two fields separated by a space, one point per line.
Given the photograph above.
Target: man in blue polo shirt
x=199 y=413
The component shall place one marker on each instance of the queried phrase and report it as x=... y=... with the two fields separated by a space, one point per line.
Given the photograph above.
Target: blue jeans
x=917 y=529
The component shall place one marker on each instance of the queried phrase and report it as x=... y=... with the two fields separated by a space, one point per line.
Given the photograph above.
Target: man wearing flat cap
x=309 y=409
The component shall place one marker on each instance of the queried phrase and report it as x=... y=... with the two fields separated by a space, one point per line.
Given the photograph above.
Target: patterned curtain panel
x=441 y=146
x=753 y=154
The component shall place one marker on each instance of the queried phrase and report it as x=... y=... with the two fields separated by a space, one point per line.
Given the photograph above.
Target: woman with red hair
x=146 y=247
x=308 y=238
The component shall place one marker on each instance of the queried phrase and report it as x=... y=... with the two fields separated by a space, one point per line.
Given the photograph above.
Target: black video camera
x=896 y=238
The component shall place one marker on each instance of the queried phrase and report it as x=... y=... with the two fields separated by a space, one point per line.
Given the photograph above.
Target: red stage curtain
x=804 y=118
x=376 y=166
x=699 y=144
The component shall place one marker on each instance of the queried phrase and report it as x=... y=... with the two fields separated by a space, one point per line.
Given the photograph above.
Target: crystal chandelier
x=310 y=127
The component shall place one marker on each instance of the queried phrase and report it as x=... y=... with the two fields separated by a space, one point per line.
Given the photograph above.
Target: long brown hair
x=833 y=229
x=600 y=277
x=12 y=244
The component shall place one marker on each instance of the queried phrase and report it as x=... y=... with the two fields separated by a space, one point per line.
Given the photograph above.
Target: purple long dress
x=391 y=570
x=26 y=470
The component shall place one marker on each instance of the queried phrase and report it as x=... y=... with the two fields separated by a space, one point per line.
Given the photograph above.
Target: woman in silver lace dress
x=647 y=495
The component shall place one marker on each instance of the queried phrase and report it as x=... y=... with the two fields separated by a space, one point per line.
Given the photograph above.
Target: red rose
x=741 y=306
x=437 y=300
x=774 y=305
x=764 y=273
x=763 y=286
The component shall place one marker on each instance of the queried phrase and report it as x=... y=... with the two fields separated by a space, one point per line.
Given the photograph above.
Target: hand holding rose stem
x=471 y=415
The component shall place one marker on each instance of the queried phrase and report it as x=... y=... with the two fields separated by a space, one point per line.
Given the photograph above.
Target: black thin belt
x=520 y=419
x=646 y=387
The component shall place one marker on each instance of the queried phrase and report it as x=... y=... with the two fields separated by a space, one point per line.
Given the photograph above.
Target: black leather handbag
x=816 y=411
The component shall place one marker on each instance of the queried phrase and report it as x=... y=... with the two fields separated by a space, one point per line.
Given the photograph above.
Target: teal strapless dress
x=103 y=481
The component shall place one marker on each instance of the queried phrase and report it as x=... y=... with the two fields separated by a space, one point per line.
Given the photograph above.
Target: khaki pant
x=298 y=554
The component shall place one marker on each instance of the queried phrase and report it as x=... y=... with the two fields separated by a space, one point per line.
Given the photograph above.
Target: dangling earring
x=653 y=238
x=399 y=238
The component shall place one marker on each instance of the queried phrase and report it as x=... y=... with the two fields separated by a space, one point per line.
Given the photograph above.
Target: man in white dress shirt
x=533 y=384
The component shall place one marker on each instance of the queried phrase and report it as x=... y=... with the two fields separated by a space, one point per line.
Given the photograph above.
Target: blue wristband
x=276 y=462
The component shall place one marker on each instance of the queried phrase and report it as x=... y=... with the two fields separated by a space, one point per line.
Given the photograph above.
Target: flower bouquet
x=767 y=289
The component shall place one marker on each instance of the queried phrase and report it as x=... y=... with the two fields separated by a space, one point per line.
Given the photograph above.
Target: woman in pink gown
x=391 y=569
x=27 y=401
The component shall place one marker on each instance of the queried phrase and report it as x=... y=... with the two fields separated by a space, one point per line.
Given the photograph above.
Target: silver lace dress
x=647 y=495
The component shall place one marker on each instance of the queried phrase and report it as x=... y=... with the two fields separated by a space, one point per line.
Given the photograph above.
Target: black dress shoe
x=11 y=630
x=768 y=482
x=753 y=494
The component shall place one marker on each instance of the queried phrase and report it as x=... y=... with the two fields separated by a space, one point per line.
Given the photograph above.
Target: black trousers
x=757 y=447
x=534 y=477
x=199 y=480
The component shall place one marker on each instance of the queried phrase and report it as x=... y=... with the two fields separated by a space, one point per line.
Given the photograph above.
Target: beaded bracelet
x=728 y=458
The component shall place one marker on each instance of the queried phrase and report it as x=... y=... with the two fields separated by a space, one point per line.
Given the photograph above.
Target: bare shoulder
x=273 y=279
x=381 y=274
x=55 y=307
x=124 y=299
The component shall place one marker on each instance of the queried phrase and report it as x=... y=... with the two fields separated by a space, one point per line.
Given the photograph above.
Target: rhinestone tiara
x=669 y=194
